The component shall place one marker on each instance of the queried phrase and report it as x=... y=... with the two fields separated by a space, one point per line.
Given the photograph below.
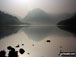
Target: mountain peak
x=37 y=16
x=37 y=12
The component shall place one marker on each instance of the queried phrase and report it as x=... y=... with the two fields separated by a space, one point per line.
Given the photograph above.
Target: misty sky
x=22 y=7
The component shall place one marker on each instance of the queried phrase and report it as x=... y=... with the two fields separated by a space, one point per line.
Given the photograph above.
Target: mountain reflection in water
x=36 y=33
x=8 y=30
x=34 y=39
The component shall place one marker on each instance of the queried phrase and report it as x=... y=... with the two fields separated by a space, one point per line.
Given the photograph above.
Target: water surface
x=37 y=36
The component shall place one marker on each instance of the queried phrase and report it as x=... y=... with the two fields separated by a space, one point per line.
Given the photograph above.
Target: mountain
x=39 y=17
x=6 y=19
x=69 y=24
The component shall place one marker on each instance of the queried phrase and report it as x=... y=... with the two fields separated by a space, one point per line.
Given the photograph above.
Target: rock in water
x=21 y=51
x=48 y=41
x=17 y=46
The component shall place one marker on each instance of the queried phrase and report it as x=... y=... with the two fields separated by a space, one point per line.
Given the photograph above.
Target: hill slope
x=6 y=19
x=69 y=25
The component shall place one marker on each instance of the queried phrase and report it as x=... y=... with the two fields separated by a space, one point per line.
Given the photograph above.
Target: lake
x=35 y=39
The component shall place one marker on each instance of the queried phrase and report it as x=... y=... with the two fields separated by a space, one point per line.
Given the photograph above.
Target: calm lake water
x=34 y=39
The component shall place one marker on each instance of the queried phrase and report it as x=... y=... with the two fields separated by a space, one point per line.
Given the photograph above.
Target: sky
x=21 y=8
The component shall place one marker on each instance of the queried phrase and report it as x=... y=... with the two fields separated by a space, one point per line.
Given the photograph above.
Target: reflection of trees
x=69 y=25
x=8 y=30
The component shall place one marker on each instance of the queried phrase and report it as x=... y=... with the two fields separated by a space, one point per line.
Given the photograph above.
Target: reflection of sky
x=21 y=7
x=41 y=48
